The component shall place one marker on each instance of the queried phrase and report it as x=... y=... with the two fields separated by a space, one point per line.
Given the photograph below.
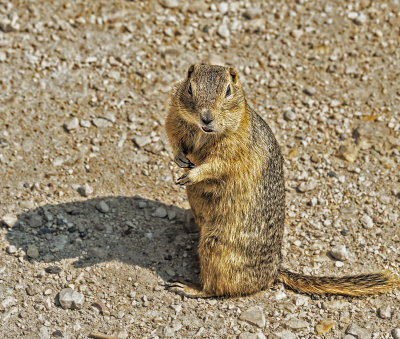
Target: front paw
x=184 y=179
x=182 y=161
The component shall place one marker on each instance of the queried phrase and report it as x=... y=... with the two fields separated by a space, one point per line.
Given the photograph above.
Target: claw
x=183 y=180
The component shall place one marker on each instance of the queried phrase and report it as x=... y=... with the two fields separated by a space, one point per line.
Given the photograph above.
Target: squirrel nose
x=207 y=117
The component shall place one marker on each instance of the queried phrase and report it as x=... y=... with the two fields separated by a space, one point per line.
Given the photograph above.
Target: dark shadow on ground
x=129 y=232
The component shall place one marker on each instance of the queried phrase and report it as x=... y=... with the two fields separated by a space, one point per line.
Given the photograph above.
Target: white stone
x=339 y=252
x=223 y=31
x=9 y=219
x=366 y=221
x=71 y=299
x=385 y=312
x=223 y=7
x=254 y=316
x=396 y=333
x=72 y=124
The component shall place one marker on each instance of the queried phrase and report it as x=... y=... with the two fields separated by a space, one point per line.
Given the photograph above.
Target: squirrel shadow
x=130 y=231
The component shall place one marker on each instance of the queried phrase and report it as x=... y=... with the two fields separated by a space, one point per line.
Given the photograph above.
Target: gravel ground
x=87 y=192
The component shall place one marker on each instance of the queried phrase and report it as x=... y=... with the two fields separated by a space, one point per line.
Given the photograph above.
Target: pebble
x=101 y=122
x=160 y=212
x=59 y=242
x=367 y=221
x=384 y=312
x=35 y=220
x=254 y=316
x=339 y=252
x=3 y=56
x=53 y=269
x=44 y=333
x=280 y=295
x=396 y=333
x=72 y=124
x=71 y=299
x=8 y=302
x=142 y=141
x=142 y=204
x=296 y=324
x=288 y=115
x=9 y=219
x=11 y=249
x=310 y=91
x=85 y=190
x=248 y=335
x=358 y=332
x=285 y=334
x=32 y=251
x=349 y=153
x=170 y=3
x=306 y=186
x=103 y=207
x=324 y=326
x=223 y=31
x=223 y=8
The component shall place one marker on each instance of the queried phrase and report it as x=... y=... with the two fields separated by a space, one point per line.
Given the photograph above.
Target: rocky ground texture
x=92 y=222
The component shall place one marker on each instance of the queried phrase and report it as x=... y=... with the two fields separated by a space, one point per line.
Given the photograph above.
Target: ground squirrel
x=235 y=186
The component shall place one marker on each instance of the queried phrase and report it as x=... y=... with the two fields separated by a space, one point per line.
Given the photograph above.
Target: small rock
x=35 y=220
x=53 y=269
x=349 y=153
x=367 y=221
x=8 y=302
x=288 y=115
x=360 y=19
x=297 y=33
x=223 y=8
x=223 y=31
x=71 y=299
x=396 y=333
x=296 y=324
x=59 y=242
x=306 y=186
x=101 y=122
x=27 y=204
x=103 y=207
x=72 y=124
x=358 y=332
x=160 y=212
x=85 y=190
x=142 y=141
x=280 y=295
x=85 y=123
x=285 y=334
x=248 y=335
x=170 y=3
x=214 y=59
x=142 y=204
x=310 y=91
x=44 y=333
x=324 y=326
x=168 y=332
x=171 y=214
x=11 y=249
x=9 y=219
x=384 y=312
x=254 y=316
x=32 y=251
x=339 y=252
x=3 y=56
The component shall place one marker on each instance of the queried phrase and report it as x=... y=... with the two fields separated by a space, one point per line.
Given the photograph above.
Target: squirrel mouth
x=206 y=129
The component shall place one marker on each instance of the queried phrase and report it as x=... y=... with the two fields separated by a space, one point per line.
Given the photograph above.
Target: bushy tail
x=354 y=285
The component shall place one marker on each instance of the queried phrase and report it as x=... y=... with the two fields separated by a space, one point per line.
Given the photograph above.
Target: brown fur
x=235 y=187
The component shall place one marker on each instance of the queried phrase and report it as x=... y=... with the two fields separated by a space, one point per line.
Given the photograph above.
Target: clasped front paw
x=182 y=161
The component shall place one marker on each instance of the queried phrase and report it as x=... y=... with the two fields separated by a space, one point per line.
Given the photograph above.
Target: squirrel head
x=211 y=97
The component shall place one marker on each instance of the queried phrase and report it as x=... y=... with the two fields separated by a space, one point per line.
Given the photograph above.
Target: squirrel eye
x=228 y=91
x=190 y=89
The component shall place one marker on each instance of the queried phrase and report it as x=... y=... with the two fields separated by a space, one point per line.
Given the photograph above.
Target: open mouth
x=206 y=129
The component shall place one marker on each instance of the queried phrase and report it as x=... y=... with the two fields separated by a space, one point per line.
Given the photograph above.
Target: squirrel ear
x=233 y=74
x=190 y=70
